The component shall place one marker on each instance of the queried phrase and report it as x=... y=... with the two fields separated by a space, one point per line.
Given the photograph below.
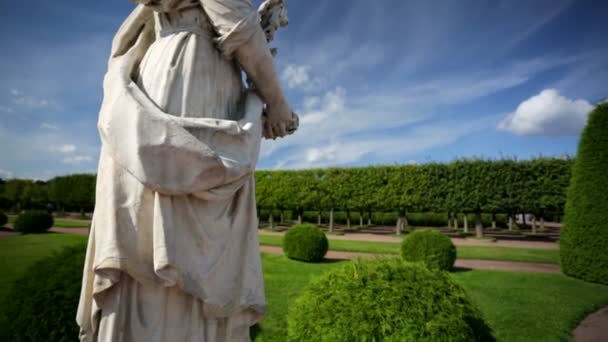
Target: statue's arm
x=241 y=36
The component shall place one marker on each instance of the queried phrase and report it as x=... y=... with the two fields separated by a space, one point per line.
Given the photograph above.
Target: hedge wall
x=386 y=193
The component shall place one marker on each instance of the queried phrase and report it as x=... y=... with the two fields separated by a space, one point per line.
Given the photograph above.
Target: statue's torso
x=184 y=73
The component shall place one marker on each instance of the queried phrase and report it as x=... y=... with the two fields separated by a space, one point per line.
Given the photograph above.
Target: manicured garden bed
x=518 y=306
x=463 y=252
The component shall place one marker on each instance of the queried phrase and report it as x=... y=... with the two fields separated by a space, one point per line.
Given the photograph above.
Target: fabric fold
x=175 y=196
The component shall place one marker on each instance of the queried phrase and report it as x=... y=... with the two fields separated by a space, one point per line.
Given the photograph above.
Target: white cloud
x=29 y=102
x=51 y=126
x=66 y=148
x=78 y=159
x=549 y=114
x=5 y=109
x=5 y=174
x=310 y=102
x=299 y=76
x=295 y=75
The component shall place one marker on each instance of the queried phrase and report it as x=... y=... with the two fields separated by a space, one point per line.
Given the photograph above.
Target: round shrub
x=33 y=222
x=431 y=247
x=3 y=219
x=385 y=300
x=584 y=238
x=42 y=305
x=305 y=242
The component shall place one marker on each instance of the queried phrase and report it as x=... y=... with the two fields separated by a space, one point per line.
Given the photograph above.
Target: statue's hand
x=280 y=121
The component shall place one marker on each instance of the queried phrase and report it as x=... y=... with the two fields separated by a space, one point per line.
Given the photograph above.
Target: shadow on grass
x=254 y=331
x=460 y=269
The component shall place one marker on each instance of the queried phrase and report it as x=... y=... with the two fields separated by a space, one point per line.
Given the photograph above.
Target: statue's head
x=274 y=15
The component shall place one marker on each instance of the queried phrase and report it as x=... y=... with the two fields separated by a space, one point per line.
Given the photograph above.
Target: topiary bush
x=41 y=306
x=305 y=242
x=35 y=221
x=584 y=237
x=3 y=219
x=385 y=300
x=431 y=247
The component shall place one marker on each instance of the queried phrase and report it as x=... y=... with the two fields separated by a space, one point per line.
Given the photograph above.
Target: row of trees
x=465 y=186
x=73 y=192
x=535 y=186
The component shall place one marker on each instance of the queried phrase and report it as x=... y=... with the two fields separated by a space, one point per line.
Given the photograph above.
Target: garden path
x=456 y=241
x=593 y=328
x=461 y=264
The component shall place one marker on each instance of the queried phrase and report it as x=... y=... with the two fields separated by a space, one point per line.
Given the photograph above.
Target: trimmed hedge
x=41 y=306
x=3 y=219
x=385 y=300
x=584 y=238
x=305 y=242
x=35 y=221
x=430 y=247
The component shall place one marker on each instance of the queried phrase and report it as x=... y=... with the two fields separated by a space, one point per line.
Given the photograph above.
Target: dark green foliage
x=584 y=239
x=305 y=242
x=3 y=219
x=42 y=304
x=385 y=300
x=35 y=221
x=430 y=247
x=470 y=186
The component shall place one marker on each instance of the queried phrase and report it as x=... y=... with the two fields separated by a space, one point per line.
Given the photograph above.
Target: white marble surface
x=173 y=251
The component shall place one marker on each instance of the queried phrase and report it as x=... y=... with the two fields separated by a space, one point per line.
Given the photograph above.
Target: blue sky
x=374 y=82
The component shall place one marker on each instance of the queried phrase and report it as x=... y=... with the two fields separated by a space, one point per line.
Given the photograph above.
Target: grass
x=464 y=252
x=532 y=306
x=21 y=251
x=518 y=306
x=69 y=223
x=61 y=223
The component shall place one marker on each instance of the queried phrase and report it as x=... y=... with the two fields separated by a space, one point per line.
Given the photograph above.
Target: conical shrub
x=584 y=238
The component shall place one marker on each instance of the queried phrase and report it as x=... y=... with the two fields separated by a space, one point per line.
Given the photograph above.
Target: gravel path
x=594 y=328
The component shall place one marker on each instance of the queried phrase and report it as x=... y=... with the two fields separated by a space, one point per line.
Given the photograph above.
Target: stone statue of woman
x=173 y=250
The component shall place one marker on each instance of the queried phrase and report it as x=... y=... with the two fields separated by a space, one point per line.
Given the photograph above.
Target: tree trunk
x=331 y=220
x=405 y=222
x=478 y=225
x=282 y=217
x=466 y=223
x=449 y=221
x=542 y=223
x=455 y=216
x=523 y=220
x=401 y=222
x=534 y=225
x=271 y=220
x=369 y=217
x=510 y=223
x=493 y=220
x=319 y=219
x=348 y=219
x=361 y=219
x=299 y=217
x=398 y=226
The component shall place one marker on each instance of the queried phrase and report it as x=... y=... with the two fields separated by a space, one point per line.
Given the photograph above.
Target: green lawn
x=464 y=252
x=518 y=306
x=62 y=223
x=69 y=223
x=19 y=252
